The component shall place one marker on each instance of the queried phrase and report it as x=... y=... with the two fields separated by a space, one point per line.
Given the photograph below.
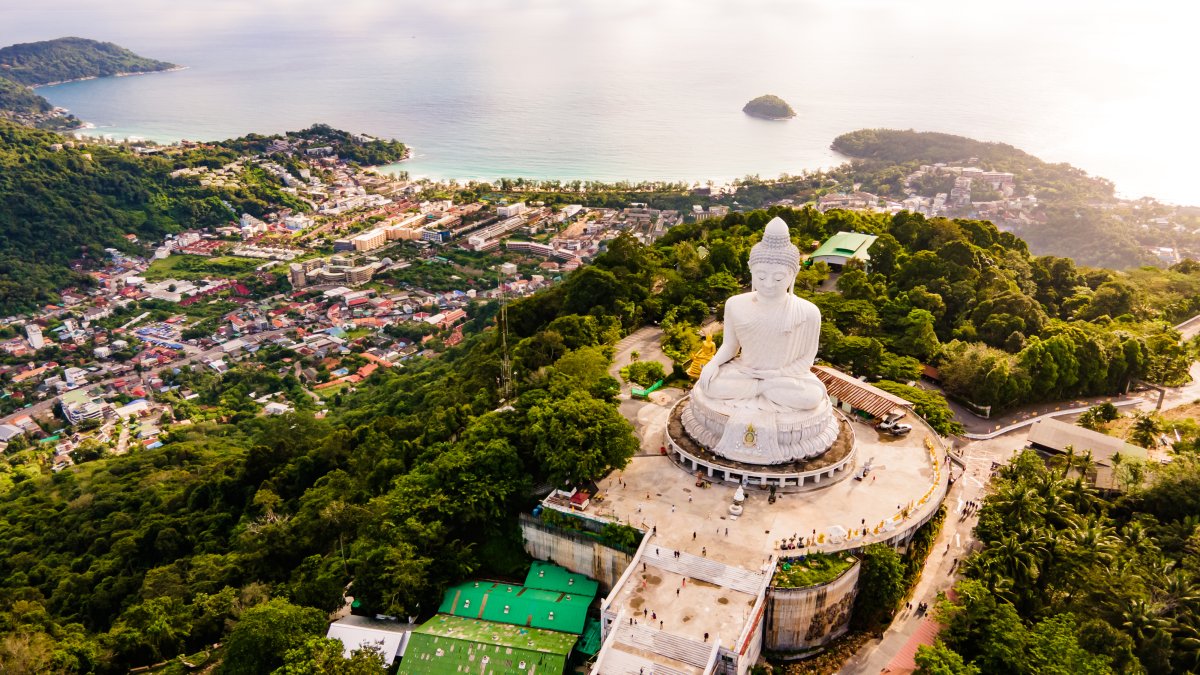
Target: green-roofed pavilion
x=551 y=577
x=842 y=247
x=452 y=644
x=518 y=605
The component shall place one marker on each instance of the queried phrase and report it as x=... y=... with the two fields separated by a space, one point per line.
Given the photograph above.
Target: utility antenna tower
x=505 y=362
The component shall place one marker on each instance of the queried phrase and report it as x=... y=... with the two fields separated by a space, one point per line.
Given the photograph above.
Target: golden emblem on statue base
x=750 y=437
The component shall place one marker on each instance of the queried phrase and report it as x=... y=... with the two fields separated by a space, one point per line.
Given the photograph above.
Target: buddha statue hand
x=797 y=393
x=707 y=373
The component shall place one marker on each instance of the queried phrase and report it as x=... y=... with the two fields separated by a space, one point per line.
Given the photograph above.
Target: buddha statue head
x=774 y=261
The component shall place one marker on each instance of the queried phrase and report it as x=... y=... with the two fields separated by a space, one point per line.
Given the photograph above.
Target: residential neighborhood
x=308 y=303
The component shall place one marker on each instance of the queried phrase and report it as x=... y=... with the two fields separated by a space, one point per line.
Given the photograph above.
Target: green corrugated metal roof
x=848 y=244
x=589 y=642
x=551 y=577
x=451 y=644
x=517 y=605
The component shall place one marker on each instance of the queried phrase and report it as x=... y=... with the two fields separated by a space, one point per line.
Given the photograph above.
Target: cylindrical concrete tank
x=802 y=618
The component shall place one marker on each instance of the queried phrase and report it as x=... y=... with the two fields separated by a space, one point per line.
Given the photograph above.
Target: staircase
x=675 y=647
x=617 y=662
x=706 y=569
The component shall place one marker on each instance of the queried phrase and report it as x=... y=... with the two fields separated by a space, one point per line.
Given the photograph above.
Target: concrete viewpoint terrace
x=655 y=494
x=697 y=582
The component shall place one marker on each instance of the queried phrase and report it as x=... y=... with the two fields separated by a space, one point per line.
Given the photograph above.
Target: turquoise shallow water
x=628 y=90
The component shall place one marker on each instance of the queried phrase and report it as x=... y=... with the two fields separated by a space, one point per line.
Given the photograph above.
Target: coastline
x=378 y=168
x=97 y=77
x=415 y=166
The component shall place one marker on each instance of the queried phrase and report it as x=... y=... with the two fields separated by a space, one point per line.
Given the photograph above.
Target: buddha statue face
x=772 y=280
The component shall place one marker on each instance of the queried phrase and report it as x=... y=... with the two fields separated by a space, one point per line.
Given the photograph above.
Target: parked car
x=889 y=420
x=900 y=429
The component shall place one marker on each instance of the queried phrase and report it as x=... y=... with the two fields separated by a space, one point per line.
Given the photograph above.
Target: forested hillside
x=71 y=58
x=18 y=98
x=1004 y=327
x=893 y=146
x=412 y=485
x=415 y=480
x=1069 y=582
x=28 y=65
x=62 y=201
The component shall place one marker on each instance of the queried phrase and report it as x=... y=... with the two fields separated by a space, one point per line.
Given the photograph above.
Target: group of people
x=922 y=607
x=647 y=614
x=969 y=509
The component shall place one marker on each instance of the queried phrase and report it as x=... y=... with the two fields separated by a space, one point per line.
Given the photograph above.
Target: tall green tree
x=880 y=585
x=265 y=634
x=324 y=656
x=579 y=438
x=941 y=660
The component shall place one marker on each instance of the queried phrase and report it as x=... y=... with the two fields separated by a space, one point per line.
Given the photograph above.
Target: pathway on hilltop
x=648 y=418
x=1027 y=419
x=939 y=573
x=646 y=341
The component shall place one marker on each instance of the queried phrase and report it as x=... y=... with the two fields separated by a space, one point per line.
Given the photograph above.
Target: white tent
x=357 y=632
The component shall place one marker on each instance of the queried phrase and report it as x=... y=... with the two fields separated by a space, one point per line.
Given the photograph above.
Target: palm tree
x=1179 y=592
x=1070 y=461
x=1018 y=556
x=1135 y=536
x=1087 y=464
x=1187 y=647
x=1081 y=496
x=1055 y=509
x=1095 y=542
x=1144 y=430
x=1019 y=504
x=987 y=568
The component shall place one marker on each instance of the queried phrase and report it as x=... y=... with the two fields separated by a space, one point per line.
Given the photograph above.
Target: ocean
x=628 y=89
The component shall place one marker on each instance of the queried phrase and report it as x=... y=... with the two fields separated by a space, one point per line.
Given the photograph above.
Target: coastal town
x=964 y=190
x=312 y=302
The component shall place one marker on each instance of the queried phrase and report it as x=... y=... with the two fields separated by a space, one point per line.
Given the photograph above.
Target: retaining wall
x=577 y=552
x=803 y=618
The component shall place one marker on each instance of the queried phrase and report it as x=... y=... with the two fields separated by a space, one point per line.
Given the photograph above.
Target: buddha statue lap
x=757 y=399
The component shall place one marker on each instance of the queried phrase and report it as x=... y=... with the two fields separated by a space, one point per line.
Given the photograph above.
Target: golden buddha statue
x=702 y=356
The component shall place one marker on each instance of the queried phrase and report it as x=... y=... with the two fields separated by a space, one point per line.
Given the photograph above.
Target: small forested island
x=769 y=107
x=34 y=64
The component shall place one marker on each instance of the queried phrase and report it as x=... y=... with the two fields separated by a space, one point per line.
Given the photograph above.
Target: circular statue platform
x=825 y=469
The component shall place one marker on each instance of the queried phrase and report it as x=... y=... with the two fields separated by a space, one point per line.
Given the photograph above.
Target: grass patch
x=813 y=569
x=194 y=267
x=329 y=392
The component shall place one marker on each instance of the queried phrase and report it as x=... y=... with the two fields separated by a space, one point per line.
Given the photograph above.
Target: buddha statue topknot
x=757 y=400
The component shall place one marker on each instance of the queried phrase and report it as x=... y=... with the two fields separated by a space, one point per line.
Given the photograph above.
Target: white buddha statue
x=758 y=400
